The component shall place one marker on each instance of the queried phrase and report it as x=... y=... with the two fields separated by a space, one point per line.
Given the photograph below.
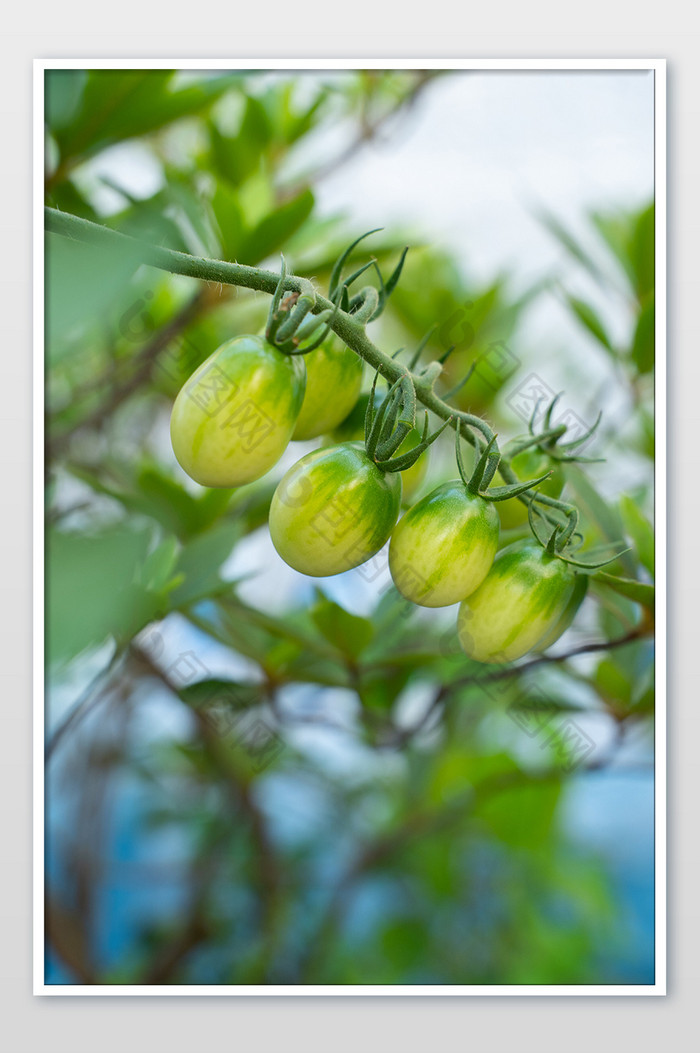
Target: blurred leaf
x=62 y=92
x=643 y=343
x=520 y=813
x=219 y=694
x=200 y=562
x=642 y=253
x=640 y=530
x=122 y=104
x=275 y=229
x=600 y=514
x=158 y=567
x=348 y=632
x=236 y=157
x=612 y=684
x=229 y=220
x=77 y=275
x=571 y=244
x=592 y=322
x=631 y=239
x=638 y=591
x=405 y=942
x=94 y=590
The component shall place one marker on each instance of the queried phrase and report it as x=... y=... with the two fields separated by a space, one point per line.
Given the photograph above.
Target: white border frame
x=658 y=66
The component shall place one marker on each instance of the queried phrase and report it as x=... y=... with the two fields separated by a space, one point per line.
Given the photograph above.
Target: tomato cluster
x=339 y=505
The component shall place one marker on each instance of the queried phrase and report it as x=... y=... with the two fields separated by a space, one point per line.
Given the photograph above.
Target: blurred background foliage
x=256 y=778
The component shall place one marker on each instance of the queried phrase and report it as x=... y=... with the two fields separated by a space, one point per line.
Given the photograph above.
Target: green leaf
x=84 y=283
x=63 y=89
x=641 y=532
x=592 y=322
x=236 y=158
x=612 y=684
x=598 y=512
x=158 y=567
x=642 y=253
x=97 y=587
x=643 y=342
x=571 y=244
x=638 y=591
x=229 y=220
x=275 y=229
x=122 y=104
x=200 y=562
x=221 y=693
x=348 y=632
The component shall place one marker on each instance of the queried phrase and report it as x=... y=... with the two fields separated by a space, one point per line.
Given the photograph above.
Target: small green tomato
x=233 y=419
x=333 y=382
x=333 y=510
x=443 y=548
x=517 y=606
x=568 y=614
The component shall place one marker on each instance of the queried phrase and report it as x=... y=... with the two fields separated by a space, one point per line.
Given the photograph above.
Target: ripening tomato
x=521 y=600
x=233 y=419
x=333 y=382
x=568 y=614
x=530 y=464
x=443 y=548
x=333 y=510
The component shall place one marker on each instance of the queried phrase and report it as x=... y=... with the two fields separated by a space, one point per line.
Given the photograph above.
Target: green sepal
x=340 y=262
x=407 y=460
x=475 y=483
x=502 y=493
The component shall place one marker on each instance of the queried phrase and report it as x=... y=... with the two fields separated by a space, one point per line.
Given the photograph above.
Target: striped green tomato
x=333 y=510
x=233 y=419
x=568 y=614
x=333 y=382
x=521 y=600
x=443 y=548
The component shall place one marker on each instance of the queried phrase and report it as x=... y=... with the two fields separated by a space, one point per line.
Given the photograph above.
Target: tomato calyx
x=548 y=440
x=290 y=321
x=564 y=540
x=478 y=483
x=390 y=423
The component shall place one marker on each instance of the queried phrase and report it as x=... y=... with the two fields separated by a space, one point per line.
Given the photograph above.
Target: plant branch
x=345 y=325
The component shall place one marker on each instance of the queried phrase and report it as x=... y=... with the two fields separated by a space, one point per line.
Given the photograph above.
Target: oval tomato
x=443 y=548
x=333 y=510
x=521 y=600
x=333 y=382
x=530 y=464
x=568 y=614
x=233 y=419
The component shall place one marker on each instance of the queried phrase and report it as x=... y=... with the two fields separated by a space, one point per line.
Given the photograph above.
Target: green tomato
x=568 y=614
x=521 y=600
x=443 y=548
x=333 y=382
x=233 y=419
x=530 y=464
x=333 y=510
